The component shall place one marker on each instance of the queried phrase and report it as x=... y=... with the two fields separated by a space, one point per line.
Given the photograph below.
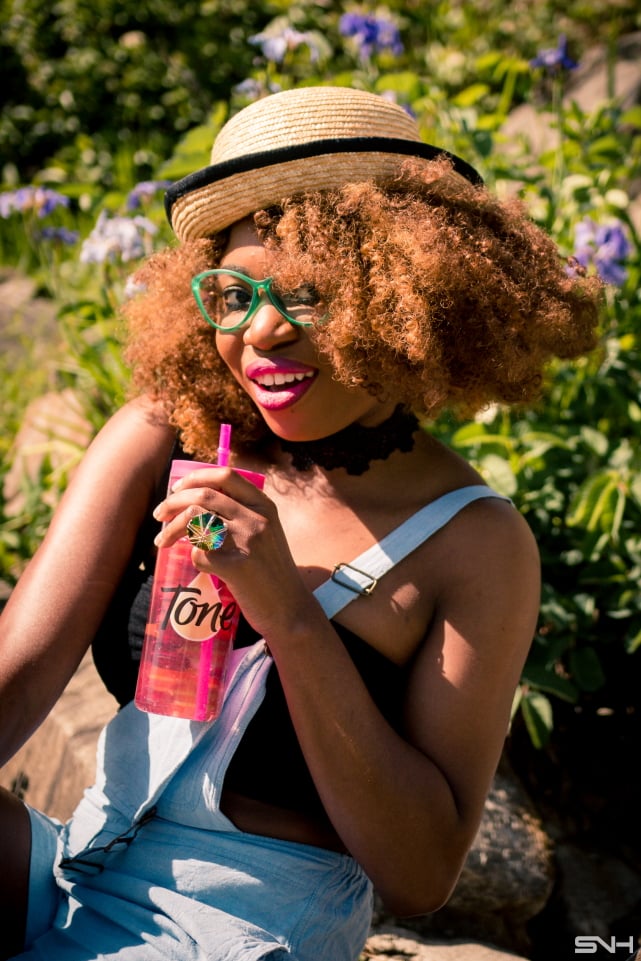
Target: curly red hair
x=438 y=295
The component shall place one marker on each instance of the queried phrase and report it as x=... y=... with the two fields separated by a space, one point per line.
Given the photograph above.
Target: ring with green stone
x=206 y=531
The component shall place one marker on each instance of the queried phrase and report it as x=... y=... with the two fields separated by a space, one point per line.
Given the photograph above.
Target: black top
x=268 y=764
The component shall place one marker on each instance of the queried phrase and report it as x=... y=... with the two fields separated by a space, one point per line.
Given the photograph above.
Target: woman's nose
x=268 y=327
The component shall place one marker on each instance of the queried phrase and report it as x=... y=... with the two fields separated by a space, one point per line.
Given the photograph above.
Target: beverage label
x=198 y=610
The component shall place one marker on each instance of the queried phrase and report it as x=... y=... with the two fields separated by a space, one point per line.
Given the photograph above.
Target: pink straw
x=207 y=646
x=224 y=443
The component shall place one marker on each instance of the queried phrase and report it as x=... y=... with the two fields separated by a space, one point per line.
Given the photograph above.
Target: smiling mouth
x=276 y=390
x=278 y=381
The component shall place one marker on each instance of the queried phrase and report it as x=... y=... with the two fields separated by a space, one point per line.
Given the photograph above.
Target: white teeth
x=277 y=380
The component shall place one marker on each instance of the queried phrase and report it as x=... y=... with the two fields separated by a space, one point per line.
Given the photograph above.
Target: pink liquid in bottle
x=190 y=631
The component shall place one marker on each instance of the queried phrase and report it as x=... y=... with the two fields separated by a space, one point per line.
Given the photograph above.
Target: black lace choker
x=355 y=447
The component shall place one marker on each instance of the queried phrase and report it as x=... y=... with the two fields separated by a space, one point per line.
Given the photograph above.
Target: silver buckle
x=373 y=581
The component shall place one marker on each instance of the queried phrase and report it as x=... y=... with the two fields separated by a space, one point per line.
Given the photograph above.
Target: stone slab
x=54 y=767
x=396 y=944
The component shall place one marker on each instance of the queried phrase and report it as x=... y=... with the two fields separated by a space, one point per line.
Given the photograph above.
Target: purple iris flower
x=605 y=246
x=250 y=88
x=144 y=190
x=6 y=204
x=60 y=235
x=555 y=59
x=274 y=46
x=42 y=200
x=116 y=238
x=372 y=34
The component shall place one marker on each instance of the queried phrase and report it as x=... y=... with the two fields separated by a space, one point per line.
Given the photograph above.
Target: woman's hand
x=254 y=559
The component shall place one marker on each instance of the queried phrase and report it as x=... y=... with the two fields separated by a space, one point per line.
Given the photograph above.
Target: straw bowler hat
x=310 y=138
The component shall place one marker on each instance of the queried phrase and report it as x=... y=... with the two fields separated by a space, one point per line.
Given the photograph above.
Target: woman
x=352 y=278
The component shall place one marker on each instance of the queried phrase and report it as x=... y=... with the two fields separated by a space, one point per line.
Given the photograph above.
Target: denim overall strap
x=361 y=575
x=130 y=781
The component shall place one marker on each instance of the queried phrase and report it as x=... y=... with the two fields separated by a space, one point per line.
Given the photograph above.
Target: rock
x=598 y=894
x=54 y=428
x=398 y=944
x=55 y=766
x=18 y=290
x=23 y=313
x=589 y=83
x=510 y=866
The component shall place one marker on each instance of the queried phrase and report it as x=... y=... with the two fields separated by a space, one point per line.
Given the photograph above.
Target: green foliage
x=98 y=99
x=79 y=78
x=22 y=528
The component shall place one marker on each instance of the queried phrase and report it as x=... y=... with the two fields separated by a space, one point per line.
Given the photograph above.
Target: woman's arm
x=406 y=805
x=52 y=614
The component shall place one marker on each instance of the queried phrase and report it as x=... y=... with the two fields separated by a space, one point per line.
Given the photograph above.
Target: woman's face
x=277 y=364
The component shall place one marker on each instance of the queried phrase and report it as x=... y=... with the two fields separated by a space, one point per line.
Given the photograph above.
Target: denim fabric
x=44 y=893
x=179 y=881
x=182 y=893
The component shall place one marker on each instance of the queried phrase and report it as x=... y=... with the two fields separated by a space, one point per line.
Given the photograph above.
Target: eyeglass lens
x=230 y=299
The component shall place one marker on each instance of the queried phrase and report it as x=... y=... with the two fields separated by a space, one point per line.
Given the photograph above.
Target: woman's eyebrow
x=239 y=270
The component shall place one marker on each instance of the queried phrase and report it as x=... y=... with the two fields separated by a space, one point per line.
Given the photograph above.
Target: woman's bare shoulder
x=137 y=438
x=143 y=415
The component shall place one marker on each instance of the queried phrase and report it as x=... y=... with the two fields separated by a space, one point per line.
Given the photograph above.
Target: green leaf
x=595 y=439
x=633 y=642
x=498 y=474
x=591 y=500
x=635 y=488
x=477 y=434
x=192 y=152
x=631 y=117
x=538 y=717
x=608 y=146
x=471 y=95
x=489 y=60
x=634 y=412
x=545 y=679
x=586 y=604
x=535 y=437
x=618 y=513
x=404 y=82
x=537 y=451
x=470 y=433
x=516 y=702
x=586 y=669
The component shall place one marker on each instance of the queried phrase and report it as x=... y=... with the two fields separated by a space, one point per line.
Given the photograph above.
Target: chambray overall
x=149 y=869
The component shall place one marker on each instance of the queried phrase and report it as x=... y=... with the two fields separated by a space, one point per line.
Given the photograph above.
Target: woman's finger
x=224 y=479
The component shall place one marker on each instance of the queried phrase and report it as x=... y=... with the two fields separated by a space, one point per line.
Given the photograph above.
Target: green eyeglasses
x=228 y=299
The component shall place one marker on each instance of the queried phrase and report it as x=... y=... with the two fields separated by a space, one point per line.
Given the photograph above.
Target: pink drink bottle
x=190 y=630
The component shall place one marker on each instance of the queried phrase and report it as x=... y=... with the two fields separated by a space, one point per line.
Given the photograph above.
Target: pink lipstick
x=278 y=384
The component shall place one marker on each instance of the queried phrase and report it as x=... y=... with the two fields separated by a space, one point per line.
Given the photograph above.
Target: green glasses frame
x=260 y=289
